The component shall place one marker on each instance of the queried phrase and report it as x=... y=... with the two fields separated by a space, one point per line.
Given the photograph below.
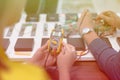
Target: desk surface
x=42 y=29
x=82 y=71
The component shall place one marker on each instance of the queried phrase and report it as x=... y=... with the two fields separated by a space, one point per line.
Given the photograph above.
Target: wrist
x=85 y=30
x=62 y=69
x=64 y=75
x=90 y=37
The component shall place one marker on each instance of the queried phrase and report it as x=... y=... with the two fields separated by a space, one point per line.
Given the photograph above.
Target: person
x=65 y=59
x=34 y=69
x=107 y=58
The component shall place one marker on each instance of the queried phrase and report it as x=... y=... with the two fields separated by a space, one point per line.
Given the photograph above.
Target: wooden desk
x=82 y=71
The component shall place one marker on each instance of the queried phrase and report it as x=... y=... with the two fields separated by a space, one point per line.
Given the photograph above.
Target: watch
x=86 y=31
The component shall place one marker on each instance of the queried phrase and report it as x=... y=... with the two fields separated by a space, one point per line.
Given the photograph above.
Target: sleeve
x=107 y=58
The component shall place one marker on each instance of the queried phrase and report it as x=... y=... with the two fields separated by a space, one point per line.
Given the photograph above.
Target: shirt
x=107 y=58
x=19 y=71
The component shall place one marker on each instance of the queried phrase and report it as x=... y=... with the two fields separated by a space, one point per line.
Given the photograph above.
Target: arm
x=64 y=74
x=107 y=58
x=65 y=61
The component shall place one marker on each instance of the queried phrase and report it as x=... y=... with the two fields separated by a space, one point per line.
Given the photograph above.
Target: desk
x=42 y=29
x=84 y=70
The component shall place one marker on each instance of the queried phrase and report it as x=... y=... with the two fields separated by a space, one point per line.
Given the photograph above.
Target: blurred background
x=76 y=6
x=71 y=6
x=38 y=18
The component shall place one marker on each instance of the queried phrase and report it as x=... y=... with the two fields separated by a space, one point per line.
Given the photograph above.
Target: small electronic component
x=70 y=29
x=71 y=18
x=55 y=41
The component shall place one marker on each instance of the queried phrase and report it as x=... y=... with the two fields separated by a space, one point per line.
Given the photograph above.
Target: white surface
x=39 y=35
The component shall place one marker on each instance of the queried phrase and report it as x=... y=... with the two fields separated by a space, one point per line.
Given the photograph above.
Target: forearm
x=90 y=37
x=107 y=58
x=64 y=74
x=102 y=52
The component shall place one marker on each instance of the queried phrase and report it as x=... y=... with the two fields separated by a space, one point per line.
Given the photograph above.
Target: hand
x=85 y=20
x=42 y=57
x=67 y=57
x=109 y=18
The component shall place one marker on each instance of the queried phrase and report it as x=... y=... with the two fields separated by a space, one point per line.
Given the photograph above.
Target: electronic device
x=55 y=41
x=71 y=18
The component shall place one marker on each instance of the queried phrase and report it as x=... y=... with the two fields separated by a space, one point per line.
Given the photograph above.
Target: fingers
x=45 y=46
x=50 y=60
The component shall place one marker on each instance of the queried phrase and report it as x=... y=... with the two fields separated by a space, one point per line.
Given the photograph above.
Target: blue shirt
x=107 y=58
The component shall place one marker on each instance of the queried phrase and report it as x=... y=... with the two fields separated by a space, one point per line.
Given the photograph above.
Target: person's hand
x=65 y=60
x=85 y=20
x=42 y=57
x=109 y=18
x=67 y=57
